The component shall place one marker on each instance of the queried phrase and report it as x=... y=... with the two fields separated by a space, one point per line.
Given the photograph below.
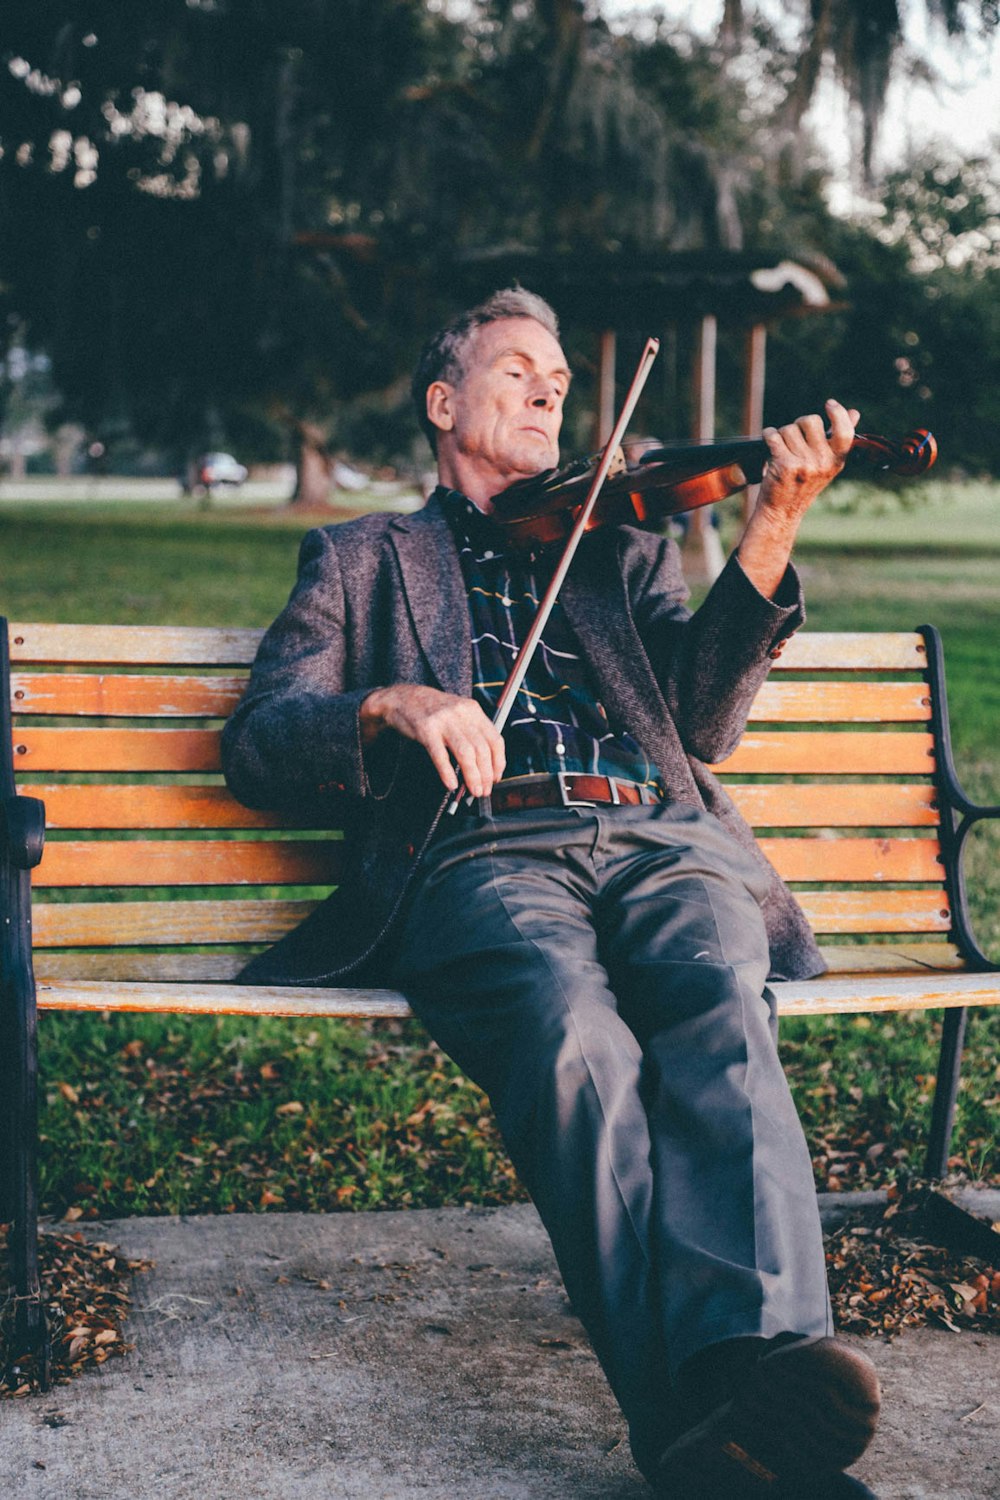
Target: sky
x=964 y=109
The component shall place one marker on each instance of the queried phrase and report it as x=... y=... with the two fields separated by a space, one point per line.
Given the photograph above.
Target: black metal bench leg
x=29 y=1333
x=946 y=1092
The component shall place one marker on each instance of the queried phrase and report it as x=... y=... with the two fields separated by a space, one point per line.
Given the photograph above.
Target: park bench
x=131 y=880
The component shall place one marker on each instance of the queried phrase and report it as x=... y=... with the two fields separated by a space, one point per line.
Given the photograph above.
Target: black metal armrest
x=959 y=814
x=22 y=830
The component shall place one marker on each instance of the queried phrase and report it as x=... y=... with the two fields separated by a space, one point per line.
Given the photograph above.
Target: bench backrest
x=152 y=871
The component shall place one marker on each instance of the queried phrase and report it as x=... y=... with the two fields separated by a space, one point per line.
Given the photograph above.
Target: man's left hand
x=804 y=458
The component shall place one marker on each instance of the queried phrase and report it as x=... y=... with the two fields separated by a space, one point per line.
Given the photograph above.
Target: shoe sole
x=805 y=1412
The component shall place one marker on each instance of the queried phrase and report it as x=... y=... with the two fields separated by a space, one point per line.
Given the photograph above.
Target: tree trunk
x=313 y=467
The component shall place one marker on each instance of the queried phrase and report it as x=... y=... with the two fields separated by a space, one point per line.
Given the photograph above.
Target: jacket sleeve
x=294 y=742
x=710 y=664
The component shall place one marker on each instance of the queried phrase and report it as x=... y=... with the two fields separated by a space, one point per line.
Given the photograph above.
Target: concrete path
x=429 y=1355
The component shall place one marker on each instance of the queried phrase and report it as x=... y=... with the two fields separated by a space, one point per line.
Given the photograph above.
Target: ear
x=440 y=407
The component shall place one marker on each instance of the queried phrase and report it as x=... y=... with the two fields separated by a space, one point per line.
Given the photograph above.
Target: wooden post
x=703 y=416
x=753 y=400
x=606 y=388
x=701 y=533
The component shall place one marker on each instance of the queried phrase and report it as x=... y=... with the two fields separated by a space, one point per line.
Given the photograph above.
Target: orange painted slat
x=853 y=651
x=103 y=924
x=188 y=862
x=794 y=804
x=133 y=645
x=122 y=695
x=116 y=750
x=125 y=695
x=841 y=702
x=144 y=806
x=875 y=910
x=824 y=754
x=778 y=805
x=868 y=860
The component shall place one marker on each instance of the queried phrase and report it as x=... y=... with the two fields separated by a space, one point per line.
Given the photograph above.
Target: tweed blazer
x=381 y=600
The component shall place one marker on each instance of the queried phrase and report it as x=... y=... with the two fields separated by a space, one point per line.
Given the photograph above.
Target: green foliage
x=228 y=1116
x=918 y=341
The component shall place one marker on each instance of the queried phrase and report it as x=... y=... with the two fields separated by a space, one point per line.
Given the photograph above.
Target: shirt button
x=560 y=749
x=506 y=602
x=531 y=708
x=487 y=553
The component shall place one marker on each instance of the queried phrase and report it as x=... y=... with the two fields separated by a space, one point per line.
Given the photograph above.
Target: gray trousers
x=601 y=974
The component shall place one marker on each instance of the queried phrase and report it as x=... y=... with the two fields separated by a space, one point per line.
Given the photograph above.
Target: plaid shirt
x=557 y=722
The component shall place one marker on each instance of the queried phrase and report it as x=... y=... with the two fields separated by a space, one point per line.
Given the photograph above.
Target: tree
x=157 y=165
x=919 y=342
x=864 y=40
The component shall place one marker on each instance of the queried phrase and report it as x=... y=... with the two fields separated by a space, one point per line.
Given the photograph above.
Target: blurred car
x=220 y=468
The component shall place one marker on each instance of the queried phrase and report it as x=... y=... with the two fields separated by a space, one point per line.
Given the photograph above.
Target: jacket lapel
x=435 y=595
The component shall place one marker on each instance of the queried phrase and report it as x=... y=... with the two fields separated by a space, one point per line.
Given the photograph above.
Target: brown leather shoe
x=801 y=1415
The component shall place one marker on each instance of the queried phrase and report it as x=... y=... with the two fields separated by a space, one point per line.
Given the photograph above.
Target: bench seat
x=131 y=880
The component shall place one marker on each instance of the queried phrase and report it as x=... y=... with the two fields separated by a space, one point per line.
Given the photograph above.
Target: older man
x=591 y=935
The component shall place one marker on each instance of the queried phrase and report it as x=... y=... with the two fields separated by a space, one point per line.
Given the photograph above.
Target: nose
x=545 y=396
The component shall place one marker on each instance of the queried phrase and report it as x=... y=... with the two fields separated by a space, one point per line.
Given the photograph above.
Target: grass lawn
x=156 y=1115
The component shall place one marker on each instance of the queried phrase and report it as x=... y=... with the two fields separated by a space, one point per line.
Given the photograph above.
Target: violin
x=665 y=481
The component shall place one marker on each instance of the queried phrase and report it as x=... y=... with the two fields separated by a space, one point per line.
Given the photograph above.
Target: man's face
x=502 y=421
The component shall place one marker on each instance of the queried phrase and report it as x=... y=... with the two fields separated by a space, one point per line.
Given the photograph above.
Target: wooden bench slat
x=115 y=750
x=891 y=992
x=110 y=923
x=875 y=910
x=841 y=702
x=812 y=997
x=777 y=805
x=855 y=860
x=133 y=645
x=163 y=645
x=792 y=804
x=99 y=806
x=102 y=924
x=132 y=966
x=122 y=696
x=875 y=958
x=187 y=695
x=188 y=862
x=222 y=999
x=818 y=753
x=218 y=967
x=853 y=651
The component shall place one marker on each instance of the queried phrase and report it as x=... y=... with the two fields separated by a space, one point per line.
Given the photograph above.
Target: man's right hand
x=449 y=728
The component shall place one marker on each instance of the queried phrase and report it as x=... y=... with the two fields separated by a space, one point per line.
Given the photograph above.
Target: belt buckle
x=568 y=800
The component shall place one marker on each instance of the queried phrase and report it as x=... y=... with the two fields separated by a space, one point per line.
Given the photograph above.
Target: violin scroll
x=909 y=456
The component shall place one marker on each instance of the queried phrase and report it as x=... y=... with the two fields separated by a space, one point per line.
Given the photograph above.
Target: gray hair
x=443 y=356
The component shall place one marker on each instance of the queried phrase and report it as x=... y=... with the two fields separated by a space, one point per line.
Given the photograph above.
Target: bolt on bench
x=110 y=793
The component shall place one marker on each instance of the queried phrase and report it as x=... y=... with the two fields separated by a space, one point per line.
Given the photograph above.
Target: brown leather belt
x=568 y=789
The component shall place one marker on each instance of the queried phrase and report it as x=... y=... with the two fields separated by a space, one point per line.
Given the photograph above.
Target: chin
x=533 y=461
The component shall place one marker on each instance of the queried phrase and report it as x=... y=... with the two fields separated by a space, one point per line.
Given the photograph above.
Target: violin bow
x=522 y=660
